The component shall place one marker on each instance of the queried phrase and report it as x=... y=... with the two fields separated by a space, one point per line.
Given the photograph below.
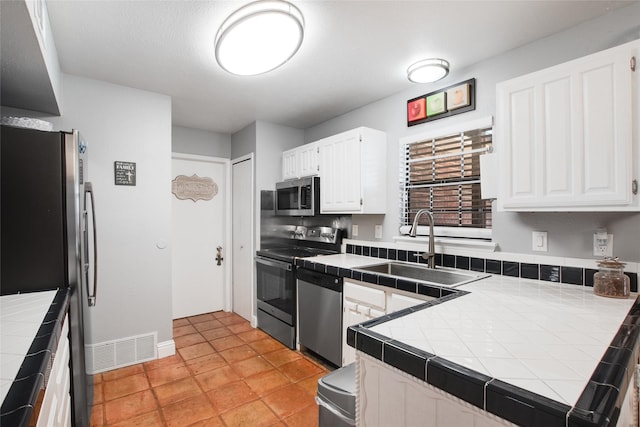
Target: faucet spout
x=430 y=255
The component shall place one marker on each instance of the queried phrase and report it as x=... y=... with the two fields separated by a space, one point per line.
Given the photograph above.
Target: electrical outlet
x=539 y=241
x=354 y=230
x=378 y=232
x=602 y=247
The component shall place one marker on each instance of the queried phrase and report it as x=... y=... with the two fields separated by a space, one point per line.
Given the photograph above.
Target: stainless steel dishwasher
x=320 y=314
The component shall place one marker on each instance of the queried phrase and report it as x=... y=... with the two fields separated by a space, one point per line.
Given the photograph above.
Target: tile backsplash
x=574 y=275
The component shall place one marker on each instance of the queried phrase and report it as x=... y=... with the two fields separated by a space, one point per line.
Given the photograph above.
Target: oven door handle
x=272 y=263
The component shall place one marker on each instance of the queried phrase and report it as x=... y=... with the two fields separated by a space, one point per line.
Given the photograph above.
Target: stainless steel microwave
x=298 y=197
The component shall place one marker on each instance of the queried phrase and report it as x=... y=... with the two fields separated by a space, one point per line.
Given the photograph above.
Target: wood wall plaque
x=193 y=187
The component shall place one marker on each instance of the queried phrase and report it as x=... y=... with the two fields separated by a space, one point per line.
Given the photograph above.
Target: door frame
x=250 y=157
x=226 y=254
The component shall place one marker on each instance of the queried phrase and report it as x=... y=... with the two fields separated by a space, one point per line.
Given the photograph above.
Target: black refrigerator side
x=33 y=252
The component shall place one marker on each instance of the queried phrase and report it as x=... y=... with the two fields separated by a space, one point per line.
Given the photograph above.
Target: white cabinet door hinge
x=632 y=62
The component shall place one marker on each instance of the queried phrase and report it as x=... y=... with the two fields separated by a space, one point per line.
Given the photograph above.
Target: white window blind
x=443 y=175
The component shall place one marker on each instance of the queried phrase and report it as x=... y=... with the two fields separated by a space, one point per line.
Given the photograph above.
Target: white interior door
x=242 y=213
x=198 y=229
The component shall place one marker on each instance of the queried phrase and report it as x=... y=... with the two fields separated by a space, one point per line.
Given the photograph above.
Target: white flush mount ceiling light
x=259 y=37
x=428 y=70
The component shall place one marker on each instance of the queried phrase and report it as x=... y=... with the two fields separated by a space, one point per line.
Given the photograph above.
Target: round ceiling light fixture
x=259 y=37
x=428 y=70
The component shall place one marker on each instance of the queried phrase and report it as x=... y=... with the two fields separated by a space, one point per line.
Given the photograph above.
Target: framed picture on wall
x=416 y=109
x=458 y=96
x=436 y=104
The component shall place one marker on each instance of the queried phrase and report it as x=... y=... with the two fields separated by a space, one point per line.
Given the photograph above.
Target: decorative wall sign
x=124 y=173
x=446 y=102
x=193 y=187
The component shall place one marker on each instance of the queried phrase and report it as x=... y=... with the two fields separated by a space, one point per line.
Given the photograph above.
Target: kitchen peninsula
x=498 y=349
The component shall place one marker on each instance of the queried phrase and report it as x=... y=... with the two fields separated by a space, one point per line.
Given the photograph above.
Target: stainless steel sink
x=437 y=276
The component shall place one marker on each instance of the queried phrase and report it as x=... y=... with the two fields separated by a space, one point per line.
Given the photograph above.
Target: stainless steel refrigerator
x=48 y=234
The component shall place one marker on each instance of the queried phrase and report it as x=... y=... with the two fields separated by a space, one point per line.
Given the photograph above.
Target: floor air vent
x=109 y=355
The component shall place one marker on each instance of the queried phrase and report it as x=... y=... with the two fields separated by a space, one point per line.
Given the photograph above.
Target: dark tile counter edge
x=598 y=405
x=18 y=405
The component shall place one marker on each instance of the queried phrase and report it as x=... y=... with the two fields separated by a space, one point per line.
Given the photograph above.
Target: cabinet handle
x=633 y=63
x=634 y=187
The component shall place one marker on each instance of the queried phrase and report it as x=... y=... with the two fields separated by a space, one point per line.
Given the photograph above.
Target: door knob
x=219 y=257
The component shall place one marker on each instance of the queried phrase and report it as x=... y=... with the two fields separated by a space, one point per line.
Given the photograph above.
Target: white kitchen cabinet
x=396 y=302
x=353 y=172
x=567 y=136
x=56 y=403
x=382 y=390
x=360 y=303
x=364 y=301
x=300 y=162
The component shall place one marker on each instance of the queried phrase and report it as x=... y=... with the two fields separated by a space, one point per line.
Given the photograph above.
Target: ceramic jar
x=610 y=280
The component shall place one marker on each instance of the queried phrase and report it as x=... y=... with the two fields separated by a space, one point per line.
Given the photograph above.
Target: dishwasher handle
x=317 y=278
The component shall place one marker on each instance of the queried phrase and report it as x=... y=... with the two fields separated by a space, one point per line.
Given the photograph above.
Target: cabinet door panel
x=604 y=149
x=340 y=173
x=522 y=156
x=308 y=160
x=350 y=316
x=289 y=165
x=557 y=139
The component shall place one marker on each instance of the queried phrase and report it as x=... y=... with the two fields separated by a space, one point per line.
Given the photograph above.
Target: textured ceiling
x=354 y=52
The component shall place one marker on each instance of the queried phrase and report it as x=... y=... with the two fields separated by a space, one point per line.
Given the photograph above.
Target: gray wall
x=569 y=234
x=243 y=142
x=133 y=223
x=271 y=141
x=200 y=142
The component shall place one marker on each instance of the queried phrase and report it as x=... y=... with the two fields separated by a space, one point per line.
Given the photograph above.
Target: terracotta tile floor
x=224 y=373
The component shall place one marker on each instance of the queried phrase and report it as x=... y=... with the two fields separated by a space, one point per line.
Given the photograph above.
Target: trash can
x=336 y=398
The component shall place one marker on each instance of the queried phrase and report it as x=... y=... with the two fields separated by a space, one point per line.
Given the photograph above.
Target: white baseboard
x=166 y=349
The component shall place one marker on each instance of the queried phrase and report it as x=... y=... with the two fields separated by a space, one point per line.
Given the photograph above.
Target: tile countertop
x=30 y=326
x=533 y=342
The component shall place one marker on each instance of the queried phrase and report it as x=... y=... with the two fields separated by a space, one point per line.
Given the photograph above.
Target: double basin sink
x=438 y=276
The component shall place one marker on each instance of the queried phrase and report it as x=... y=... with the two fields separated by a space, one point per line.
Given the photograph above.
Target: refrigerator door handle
x=91 y=296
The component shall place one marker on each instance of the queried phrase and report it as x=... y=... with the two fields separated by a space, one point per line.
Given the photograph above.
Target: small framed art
x=416 y=109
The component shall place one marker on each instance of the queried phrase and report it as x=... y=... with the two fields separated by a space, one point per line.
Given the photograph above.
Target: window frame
x=435 y=133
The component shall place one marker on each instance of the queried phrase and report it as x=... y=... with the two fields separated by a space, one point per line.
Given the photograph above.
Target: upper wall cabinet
x=353 y=172
x=300 y=161
x=567 y=136
x=31 y=77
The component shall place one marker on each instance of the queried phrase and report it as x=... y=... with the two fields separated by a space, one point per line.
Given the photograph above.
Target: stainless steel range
x=276 y=276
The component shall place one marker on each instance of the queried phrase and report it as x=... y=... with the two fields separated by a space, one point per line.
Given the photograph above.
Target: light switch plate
x=539 y=241
x=354 y=230
x=378 y=231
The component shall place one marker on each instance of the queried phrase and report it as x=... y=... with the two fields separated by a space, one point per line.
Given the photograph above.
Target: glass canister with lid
x=610 y=280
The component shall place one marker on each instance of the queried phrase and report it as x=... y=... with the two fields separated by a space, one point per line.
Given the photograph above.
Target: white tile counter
x=554 y=347
x=542 y=337
x=20 y=318
x=31 y=327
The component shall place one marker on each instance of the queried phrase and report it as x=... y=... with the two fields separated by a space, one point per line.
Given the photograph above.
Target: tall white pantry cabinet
x=353 y=172
x=567 y=136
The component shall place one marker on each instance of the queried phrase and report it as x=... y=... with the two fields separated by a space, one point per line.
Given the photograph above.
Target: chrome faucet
x=430 y=256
